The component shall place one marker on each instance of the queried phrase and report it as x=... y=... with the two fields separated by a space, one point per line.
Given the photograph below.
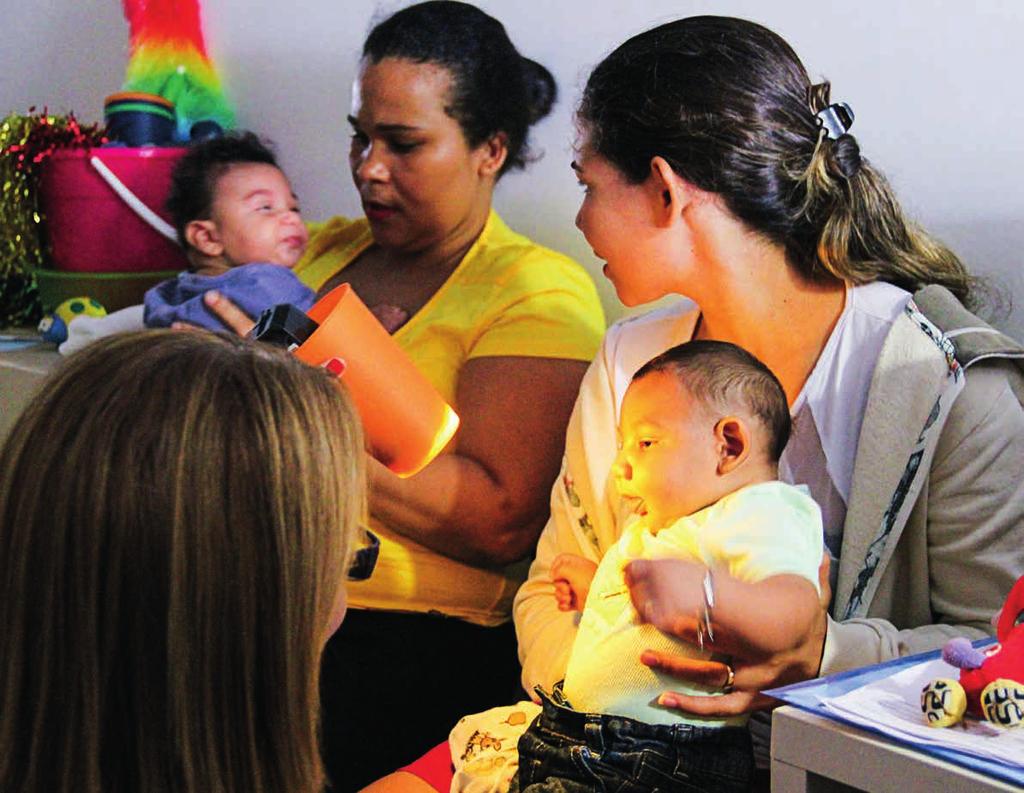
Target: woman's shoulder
x=972 y=339
x=643 y=336
x=507 y=255
x=936 y=325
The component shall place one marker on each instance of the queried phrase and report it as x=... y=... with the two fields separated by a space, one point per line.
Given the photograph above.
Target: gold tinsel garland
x=25 y=143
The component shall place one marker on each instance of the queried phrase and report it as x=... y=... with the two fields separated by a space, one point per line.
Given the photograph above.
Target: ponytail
x=862 y=234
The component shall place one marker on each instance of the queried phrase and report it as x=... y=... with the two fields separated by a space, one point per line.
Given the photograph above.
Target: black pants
x=393 y=685
x=567 y=751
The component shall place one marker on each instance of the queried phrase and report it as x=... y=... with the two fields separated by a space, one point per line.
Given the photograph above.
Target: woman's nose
x=371 y=166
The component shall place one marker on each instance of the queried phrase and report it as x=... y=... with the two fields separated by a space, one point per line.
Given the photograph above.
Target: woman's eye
x=645 y=444
x=403 y=146
x=359 y=139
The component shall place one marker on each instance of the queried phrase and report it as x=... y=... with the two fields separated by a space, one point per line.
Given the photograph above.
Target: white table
x=814 y=754
x=21 y=374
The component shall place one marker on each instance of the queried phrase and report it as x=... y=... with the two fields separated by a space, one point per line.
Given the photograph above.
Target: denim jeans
x=566 y=751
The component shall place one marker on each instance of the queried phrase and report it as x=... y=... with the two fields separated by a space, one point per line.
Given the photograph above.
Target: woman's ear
x=202 y=236
x=495 y=152
x=733 y=443
x=671 y=193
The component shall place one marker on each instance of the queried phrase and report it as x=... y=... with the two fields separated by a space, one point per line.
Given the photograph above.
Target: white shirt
x=828 y=412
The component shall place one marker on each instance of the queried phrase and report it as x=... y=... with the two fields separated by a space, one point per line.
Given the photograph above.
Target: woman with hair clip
x=177 y=513
x=712 y=168
x=504 y=328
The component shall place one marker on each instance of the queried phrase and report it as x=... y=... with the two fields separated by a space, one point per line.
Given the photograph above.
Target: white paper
x=892 y=706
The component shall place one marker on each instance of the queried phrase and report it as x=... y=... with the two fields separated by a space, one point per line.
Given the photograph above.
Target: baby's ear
x=202 y=236
x=733 y=443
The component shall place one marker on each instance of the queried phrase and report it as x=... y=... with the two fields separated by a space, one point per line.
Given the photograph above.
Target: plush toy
x=54 y=327
x=991 y=684
x=169 y=58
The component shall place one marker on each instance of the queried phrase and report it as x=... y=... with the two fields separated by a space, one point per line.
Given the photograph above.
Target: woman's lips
x=375 y=211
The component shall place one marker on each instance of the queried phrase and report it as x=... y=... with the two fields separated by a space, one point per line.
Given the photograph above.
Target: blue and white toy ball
x=54 y=327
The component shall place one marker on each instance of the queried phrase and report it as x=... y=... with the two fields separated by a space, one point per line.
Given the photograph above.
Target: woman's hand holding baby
x=236 y=320
x=231 y=315
x=572 y=575
x=663 y=595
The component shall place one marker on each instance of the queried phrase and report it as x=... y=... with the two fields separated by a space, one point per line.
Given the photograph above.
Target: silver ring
x=730 y=678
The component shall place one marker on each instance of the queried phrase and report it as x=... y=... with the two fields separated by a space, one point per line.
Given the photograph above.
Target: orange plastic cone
x=406 y=421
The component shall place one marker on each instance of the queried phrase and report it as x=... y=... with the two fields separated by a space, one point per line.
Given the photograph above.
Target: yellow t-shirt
x=508 y=297
x=756 y=532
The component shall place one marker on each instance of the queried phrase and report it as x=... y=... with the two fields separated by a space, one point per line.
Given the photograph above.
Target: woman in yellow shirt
x=504 y=328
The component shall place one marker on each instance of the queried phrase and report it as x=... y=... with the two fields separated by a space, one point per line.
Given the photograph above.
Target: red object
x=434 y=768
x=91 y=229
x=1004 y=660
x=165 y=23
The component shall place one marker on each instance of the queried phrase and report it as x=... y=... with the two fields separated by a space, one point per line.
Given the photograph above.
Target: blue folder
x=809 y=695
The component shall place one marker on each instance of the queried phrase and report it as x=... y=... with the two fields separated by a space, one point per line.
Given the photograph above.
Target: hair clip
x=836 y=119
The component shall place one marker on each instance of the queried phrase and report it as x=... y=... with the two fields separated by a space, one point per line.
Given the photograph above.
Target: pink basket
x=91 y=228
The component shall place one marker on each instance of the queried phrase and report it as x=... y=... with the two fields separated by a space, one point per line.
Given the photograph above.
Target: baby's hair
x=195 y=175
x=722 y=375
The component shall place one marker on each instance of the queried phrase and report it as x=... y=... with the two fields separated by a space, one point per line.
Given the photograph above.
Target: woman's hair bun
x=541 y=89
x=846 y=153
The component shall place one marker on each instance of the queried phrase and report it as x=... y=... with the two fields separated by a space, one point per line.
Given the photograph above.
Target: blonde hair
x=176 y=515
x=864 y=234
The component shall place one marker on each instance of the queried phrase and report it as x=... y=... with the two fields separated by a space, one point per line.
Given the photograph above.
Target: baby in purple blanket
x=238 y=220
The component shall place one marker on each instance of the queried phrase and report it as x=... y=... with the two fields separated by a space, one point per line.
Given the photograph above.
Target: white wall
x=935 y=86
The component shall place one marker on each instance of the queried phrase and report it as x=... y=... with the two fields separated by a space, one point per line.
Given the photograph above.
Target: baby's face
x=668 y=459
x=257 y=216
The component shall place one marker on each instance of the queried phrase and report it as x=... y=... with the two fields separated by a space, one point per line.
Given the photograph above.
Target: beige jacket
x=951 y=548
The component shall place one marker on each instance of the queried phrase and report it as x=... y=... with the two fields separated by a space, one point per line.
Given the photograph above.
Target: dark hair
x=720 y=374
x=729 y=105
x=494 y=88
x=195 y=175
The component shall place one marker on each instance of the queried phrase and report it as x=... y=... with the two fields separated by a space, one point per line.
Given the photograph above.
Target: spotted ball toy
x=54 y=327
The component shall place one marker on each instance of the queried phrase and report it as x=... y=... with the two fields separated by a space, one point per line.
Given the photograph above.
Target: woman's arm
x=486 y=501
x=765 y=652
x=754 y=620
x=581 y=522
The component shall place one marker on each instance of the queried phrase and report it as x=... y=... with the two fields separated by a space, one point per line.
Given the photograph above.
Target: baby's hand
x=564 y=596
x=572 y=575
x=391 y=317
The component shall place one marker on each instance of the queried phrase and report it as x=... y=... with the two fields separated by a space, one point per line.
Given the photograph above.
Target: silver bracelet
x=704 y=620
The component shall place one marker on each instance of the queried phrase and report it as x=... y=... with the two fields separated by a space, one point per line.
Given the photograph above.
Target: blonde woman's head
x=176 y=515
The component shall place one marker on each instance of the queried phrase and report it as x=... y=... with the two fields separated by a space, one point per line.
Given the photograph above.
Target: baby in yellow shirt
x=702 y=427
